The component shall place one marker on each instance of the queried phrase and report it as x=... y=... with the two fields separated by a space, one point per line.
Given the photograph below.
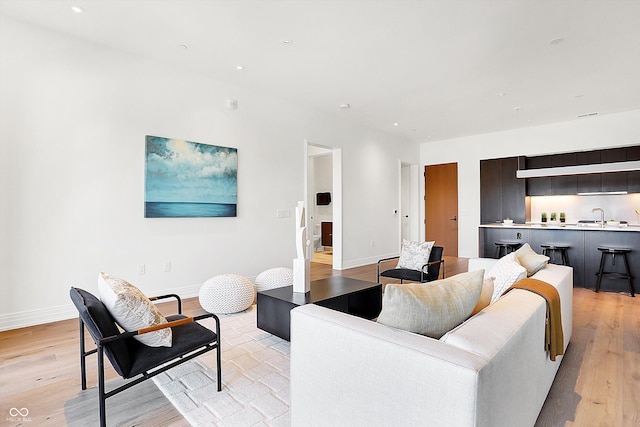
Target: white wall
x=73 y=120
x=612 y=130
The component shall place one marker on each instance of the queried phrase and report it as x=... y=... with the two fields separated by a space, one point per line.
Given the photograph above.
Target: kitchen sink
x=588 y=223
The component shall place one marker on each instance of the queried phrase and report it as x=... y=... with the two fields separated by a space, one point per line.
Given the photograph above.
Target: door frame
x=336 y=198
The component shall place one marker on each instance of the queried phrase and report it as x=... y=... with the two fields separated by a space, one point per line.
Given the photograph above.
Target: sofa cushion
x=531 y=260
x=433 y=308
x=133 y=310
x=507 y=271
x=414 y=255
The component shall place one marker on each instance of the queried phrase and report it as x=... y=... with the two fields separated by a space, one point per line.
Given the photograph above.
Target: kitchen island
x=583 y=253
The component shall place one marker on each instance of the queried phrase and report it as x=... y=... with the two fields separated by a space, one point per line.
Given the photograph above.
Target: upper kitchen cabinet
x=538 y=186
x=544 y=186
x=616 y=181
x=566 y=184
x=589 y=183
x=502 y=195
x=633 y=178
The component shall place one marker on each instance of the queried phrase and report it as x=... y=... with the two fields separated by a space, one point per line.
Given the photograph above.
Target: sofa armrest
x=350 y=371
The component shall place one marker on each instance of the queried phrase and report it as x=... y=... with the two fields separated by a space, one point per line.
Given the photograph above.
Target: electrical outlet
x=519 y=236
x=166 y=266
x=373 y=243
x=141 y=269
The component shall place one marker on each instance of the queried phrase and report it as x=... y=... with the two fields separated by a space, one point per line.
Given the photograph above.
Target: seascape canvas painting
x=189 y=179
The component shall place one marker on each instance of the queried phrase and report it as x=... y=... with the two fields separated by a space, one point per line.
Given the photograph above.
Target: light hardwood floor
x=598 y=383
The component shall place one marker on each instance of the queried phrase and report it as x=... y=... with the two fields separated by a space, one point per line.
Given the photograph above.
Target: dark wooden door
x=326 y=233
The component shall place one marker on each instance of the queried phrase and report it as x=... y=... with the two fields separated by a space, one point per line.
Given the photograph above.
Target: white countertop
x=539 y=226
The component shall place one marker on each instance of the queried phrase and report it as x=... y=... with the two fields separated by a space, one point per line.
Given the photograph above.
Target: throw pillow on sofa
x=485 y=295
x=133 y=310
x=531 y=260
x=507 y=271
x=434 y=308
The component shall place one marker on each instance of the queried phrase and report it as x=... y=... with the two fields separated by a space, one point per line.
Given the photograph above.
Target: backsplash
x=617 y=207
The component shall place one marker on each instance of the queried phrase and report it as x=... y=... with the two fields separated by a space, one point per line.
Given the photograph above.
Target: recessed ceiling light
x=344 y=106
x=287 y=42
x=556 y=41
x=396 y=124
x=239 y=67
x=183 y=47
x=500 y=94
x=77 y=9
x=579 y=96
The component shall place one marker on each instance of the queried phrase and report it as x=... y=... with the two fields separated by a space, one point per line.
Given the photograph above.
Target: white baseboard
x=24 y=319
x=365 y=261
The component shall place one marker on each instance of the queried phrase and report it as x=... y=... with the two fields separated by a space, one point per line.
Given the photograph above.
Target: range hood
x=579 y=170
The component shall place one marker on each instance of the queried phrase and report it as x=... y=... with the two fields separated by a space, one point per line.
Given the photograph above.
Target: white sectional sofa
x=490 y=371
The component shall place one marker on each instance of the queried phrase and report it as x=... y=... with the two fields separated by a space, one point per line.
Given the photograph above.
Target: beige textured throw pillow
x=485 y=295
x=133 y=310
x=433 y=308
x=414 y=255
x=531 y=260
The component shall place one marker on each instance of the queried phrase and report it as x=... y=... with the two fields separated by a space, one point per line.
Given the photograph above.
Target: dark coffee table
x=356 y=297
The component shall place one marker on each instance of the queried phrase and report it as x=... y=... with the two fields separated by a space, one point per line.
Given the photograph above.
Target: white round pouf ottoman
x=274 y=278
x=227 y=293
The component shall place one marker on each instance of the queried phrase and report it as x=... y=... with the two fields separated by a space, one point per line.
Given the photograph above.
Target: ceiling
x=422 y=70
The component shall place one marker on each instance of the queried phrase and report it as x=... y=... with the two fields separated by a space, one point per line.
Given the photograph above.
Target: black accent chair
x=433 y=268
x=129 y=357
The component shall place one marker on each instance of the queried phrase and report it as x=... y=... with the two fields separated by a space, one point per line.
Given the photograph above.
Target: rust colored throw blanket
x=554 y=339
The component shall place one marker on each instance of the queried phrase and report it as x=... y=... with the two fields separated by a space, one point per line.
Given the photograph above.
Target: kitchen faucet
x=601 y=215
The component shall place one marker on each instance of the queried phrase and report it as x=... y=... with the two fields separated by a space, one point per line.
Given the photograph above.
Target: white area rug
x=255 y=378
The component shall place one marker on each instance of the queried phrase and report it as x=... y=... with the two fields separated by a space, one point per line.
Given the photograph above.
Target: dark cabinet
x=502 y=195
x=616 y=181
x=633 y=178
x=538 y=186
x=588 y=183
x=567 y=184
x=326 y=230
x=545 y=186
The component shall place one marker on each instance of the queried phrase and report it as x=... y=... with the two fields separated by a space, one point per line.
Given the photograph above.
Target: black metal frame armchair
x=132 y=359
x=433 y=267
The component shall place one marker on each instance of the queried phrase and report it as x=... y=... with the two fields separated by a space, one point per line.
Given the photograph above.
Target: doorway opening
x=324 y=204
x=409 y=203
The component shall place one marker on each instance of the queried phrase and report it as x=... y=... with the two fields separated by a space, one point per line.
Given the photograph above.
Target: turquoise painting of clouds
x=189 y=179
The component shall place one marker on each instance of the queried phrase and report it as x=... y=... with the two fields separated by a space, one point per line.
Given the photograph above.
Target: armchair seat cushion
x=406 y=274
x=186 y=338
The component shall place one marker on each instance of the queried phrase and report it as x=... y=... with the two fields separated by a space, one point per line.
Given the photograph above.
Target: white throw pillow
x=414 y=255
x=433 y=308
x=506 y=271
x=531 y=260
x=133 y=310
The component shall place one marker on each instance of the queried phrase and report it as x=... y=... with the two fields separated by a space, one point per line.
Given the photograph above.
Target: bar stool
x=506 y=247
x=606 y=250
x=549 y=249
